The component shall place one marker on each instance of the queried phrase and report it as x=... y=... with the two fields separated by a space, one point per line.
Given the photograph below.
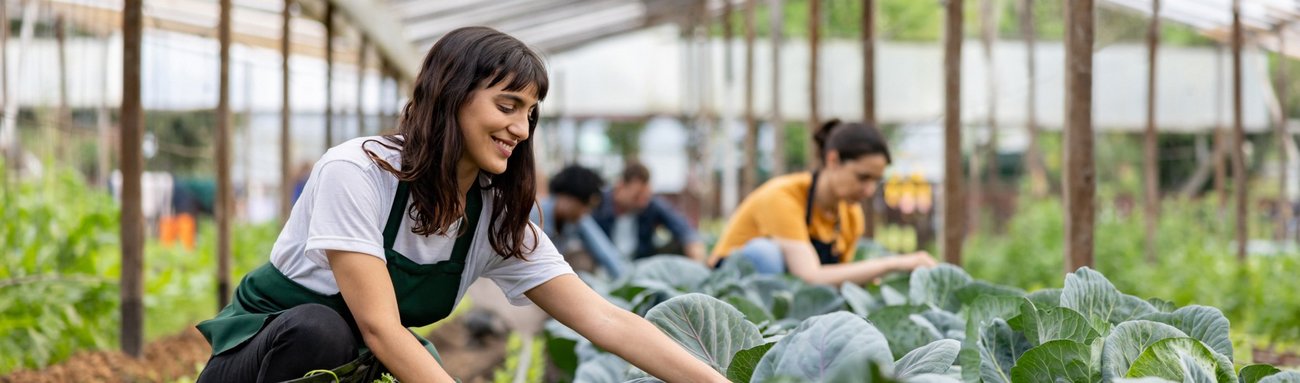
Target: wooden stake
x=1080 y=174
x=776 y=12
x=287 y=182
x=1151 y=202
x=750 y=176
x=814 y=120
x=1240 y=179
x=225 y=202
x=954 y=209
x=869 y=98
x=132 y=219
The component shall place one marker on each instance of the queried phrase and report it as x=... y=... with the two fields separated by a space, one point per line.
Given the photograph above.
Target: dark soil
x=472 y=359
x=165 y=360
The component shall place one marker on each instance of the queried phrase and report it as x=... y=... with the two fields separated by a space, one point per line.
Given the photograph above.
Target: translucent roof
x=1262 y=20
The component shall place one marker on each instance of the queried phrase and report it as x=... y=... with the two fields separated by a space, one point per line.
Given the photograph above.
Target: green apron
x=425 y=293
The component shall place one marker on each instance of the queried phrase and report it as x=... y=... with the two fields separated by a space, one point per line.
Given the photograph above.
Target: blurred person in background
x=565 y=216
x=630 y=214
x=808 y=224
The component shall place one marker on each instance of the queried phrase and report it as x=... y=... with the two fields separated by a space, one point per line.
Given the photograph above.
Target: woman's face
x=856 y=179
x=493 y=122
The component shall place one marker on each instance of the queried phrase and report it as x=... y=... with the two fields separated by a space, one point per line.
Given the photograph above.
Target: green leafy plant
x=936 y=325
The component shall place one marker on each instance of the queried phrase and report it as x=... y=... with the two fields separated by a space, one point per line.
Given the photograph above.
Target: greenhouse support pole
x=102 y=123
x=329 y=74
x=1033 y=159
x=286 y=151
x=869 y=99
x=132 y=217
x=1239 y=176
x=1151 y=202
x=361 y=85
x=954 y=199
x=1280 y=129
x=814 y=120
x=777 y=25
x=749 y=179
x=224 y=204
x=64 y=126
x=1079 y=173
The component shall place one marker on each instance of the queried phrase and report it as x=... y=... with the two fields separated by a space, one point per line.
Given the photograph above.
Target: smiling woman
x=390 y=231
x=808 y=224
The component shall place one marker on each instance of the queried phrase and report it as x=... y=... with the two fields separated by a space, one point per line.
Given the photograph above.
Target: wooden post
x=224 y=203
x=1033 y=160
x=1151 y=202
x=329 y=74
x=869 y=98
x=64 y=124
x=1080 y=174
x=132 y=219
x=750 y=176
x=102 y=124
x=361 y=85
x=286 y=152
x=1221 y=151
x=1240 y=179
x=954 y=209
x=814 y=120
x=4 y=99
x=777 y=25
x=1282 y=137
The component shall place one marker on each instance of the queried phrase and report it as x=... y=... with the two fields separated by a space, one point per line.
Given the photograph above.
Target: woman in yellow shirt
x=808 y=224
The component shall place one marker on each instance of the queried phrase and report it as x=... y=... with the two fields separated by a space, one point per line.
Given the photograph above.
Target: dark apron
x=425 y=293
x=825 y=250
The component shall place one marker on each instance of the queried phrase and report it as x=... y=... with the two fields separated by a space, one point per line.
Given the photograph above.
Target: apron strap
x=473 y=208
x=395 y=214
x=812 y=191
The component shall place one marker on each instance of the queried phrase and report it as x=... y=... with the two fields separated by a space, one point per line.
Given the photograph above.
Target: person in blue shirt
x=630 y=214
x=565 y=217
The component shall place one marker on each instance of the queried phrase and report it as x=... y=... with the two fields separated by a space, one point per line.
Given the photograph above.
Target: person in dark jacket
x=630 y=214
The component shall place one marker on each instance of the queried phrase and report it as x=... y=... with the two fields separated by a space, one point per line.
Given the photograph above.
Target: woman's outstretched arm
x=623 y=333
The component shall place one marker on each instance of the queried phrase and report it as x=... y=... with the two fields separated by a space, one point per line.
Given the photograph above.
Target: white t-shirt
x=344 y=206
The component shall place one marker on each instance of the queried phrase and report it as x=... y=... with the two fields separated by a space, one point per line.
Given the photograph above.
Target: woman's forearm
x=861 y=272
x=641 y=343
x=404 y=356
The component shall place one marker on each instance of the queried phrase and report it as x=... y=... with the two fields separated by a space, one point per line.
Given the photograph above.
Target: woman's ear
x=832 y=159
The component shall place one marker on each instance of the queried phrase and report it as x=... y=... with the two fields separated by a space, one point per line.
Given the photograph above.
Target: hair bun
x=824 y=132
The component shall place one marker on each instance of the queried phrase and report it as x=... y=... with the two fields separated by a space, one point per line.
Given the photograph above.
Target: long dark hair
x=851 y=140
x=431 y=141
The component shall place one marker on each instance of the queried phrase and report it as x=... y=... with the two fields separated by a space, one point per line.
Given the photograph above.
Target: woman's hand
x=368 y=290
x=915 y=260
x=623 y=333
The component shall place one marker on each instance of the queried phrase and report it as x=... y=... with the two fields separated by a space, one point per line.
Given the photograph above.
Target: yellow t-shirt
x=777 y=209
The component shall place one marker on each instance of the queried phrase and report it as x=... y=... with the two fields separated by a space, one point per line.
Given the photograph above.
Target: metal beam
x=374 y=20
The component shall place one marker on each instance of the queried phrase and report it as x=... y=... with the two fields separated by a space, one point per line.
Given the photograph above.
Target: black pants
x=304 y=338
